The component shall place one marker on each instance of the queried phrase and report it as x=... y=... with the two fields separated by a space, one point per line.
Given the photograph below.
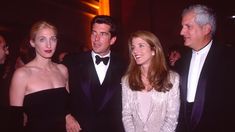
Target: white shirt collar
x=204 y=49
x=101 y=68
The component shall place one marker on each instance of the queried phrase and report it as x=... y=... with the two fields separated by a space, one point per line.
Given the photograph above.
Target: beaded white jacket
x=163 y=112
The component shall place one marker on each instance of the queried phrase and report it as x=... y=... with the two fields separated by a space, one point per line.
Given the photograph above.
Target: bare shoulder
x=21 y=77
x=62 y=68
x=23 y=72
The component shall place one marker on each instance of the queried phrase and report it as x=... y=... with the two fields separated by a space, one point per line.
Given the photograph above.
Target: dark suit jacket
x=212 y=108
x=96 y=107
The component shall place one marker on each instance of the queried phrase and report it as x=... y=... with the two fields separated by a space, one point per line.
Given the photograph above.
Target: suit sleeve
x=126 y=109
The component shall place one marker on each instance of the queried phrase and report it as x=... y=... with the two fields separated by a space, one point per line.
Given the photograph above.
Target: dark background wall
x=72 y=18
x=16 y=17
x=163 y=17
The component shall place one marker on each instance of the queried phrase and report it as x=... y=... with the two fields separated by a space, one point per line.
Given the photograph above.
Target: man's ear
x=32 y=43
x=112 y=41
x=207 y=29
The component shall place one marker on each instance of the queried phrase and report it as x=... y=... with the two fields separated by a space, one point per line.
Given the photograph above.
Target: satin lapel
x=88 y=70
x=184 y=83
x=112 y=81
x=199 y=102
x=184 y=79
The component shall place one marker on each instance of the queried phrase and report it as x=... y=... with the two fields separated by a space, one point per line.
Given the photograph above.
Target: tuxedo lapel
x=112 y=81
x=184 y=78
x=88 y=72
x=200 y=96
x=198 y=105
x=183 y=85
x=109 y=89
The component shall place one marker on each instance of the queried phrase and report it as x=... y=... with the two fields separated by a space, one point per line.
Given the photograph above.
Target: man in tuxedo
x=94 y=80
x=206 y=75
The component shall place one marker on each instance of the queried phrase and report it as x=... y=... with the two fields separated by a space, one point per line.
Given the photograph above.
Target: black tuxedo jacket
x=213 y=104
x=97 y=108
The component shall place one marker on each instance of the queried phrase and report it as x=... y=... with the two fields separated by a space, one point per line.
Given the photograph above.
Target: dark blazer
x=213 y=104
x=96 y=107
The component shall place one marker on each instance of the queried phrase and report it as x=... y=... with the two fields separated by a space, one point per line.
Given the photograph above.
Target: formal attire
x=46 y=110
x=206 y=84
x=151 y=111
x=96 y=91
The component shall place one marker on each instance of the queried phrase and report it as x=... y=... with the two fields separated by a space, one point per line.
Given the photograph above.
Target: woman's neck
x=42 y=63
x=144 y=71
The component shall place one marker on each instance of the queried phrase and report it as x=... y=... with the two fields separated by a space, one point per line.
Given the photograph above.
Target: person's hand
x=71 y=124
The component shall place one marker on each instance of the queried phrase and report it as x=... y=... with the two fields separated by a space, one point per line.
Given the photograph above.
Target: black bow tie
x=99 y=59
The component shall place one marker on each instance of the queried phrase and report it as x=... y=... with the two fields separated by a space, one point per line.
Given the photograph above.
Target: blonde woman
x=40 y=87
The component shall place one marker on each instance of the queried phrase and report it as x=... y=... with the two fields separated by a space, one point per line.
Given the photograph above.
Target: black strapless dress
x=46 y=110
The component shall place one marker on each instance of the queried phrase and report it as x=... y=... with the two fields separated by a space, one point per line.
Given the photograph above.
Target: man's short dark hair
x=104 y=19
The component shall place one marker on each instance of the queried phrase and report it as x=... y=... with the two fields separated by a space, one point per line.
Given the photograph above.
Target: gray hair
x=204 y=15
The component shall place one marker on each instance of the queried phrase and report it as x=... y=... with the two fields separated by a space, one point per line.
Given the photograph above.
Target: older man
x=207 y=75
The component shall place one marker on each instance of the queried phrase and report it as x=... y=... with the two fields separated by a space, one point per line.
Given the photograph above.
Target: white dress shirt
x=196 y=64
x=101 y=68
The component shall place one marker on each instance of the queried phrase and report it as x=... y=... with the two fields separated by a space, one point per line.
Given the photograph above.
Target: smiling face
x=101 y=39
x=141 y=51
x=45 y=42
x=195 y=36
